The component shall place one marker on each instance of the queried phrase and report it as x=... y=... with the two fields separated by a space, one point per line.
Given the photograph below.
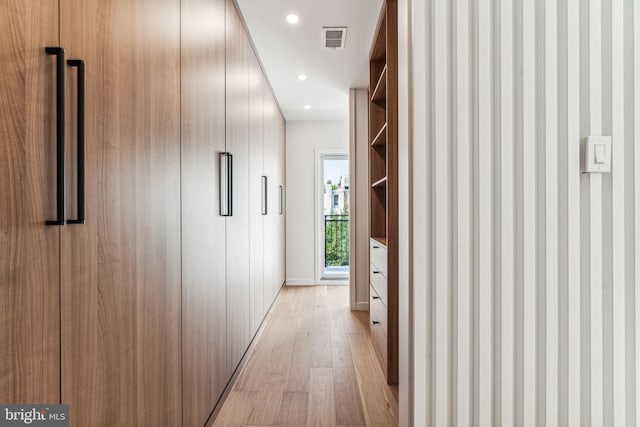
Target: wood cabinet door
x=256 y=172
x=283 y=182
x=29 y=250
x=269 y=220
x=237 y=124
x=121 y=270
x=204 y=349
x=281 y=199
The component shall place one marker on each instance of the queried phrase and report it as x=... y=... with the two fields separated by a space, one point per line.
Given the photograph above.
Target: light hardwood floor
x=312 y=365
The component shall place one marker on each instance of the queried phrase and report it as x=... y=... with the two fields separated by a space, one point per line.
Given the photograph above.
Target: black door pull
x=60 y=161
x=226 y=185
x=80 y=159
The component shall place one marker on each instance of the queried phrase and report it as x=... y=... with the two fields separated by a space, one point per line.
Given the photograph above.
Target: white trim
x=329 y=282
x=353 y=182
x=420 y=268
x=320 y=153
x=321 y=282
x=300 y=282
x=362 y=306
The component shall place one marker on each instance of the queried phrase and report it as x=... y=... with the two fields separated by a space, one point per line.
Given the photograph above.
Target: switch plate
x=597 y=154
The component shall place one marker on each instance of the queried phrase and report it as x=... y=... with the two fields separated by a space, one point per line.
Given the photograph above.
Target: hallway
x=313 y=364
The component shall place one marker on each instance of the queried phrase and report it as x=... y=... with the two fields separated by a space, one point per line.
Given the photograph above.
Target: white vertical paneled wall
x=526 y=272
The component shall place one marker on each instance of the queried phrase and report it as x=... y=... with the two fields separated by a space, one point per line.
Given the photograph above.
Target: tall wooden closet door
x=270 y=257
x=121 y=270
x=282 y=199
x=29 y=250
x=256 y=190
x=204 y=349
x=238 y=298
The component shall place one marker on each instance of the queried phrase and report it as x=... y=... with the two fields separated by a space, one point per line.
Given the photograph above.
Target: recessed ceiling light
x=307 y=107
x=302 y=77
x=292 y=18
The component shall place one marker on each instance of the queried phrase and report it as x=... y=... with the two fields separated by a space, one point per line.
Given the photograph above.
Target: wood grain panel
x=380 y=402
x=321 y=409
x=281 y=228
x=237 y=242
x=205 y=372
x=293 y=410
x=266 y=408
x=269 y=222
x=350 y=390
x=348 y=406
x=29 y=260
x=121 y=270
x=256 y=171
x=300 y=362
x=237 y=409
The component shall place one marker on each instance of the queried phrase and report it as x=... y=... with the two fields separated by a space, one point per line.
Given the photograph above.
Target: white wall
x=360 y=189
x=303 y=139
x=525 y=272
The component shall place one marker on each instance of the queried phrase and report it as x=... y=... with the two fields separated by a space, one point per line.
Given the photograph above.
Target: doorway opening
x=333 y=218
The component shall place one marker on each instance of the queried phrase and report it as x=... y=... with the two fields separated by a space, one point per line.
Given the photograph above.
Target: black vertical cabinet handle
x=60 y=163
x=264 y=195
x=81 y=215
x=226 y=187
x=230 y=183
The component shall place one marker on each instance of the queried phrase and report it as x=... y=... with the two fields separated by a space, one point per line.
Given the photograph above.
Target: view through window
x=336 y=216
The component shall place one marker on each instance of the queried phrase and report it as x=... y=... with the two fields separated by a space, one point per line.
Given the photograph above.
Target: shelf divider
x=380 y=92
x=379 y=183
x=381 y=137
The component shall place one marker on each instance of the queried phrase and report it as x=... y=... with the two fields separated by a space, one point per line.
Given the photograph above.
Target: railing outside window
x=336 y=240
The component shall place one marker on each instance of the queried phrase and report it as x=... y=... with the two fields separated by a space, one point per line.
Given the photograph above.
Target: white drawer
x=379 y=256
x=379 y=283
x=378 y=323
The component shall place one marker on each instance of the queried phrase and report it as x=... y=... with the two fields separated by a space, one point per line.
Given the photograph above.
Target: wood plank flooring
x=312 y=365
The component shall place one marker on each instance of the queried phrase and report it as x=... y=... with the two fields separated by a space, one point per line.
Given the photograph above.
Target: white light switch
x=600 y=152
x=597 y=154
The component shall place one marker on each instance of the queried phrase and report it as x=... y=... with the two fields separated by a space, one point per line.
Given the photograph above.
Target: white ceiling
x=287 y=50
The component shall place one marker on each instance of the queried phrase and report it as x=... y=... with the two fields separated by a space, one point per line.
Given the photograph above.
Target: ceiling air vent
x=334 y=37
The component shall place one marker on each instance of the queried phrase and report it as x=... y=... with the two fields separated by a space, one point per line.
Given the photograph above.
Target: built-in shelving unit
x=383 y=176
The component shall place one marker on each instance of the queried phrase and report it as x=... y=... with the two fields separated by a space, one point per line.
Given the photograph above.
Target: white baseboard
x=362 y=306
x=329 y=282
x=300 y=282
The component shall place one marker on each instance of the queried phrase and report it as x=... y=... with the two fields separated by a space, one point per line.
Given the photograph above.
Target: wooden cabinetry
x=204 y=317
x=383 y=174
x=237 y=139
x=29 y=250
x=140 y=314
x=228 y=277
x=121 y=269
x=91 y=312
x=257 y=87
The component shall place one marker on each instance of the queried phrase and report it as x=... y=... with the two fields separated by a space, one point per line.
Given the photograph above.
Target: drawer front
x=378 y=324
x=379 y=282
x=379 y=256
